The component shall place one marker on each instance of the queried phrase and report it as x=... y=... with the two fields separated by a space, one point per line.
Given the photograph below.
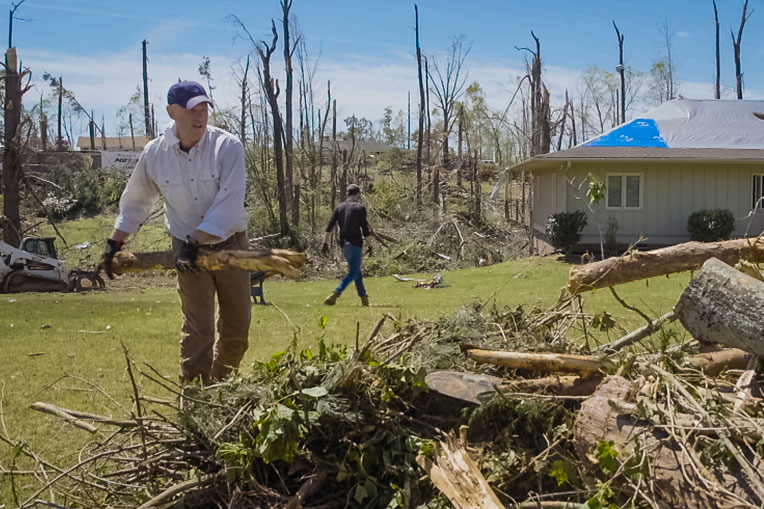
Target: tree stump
x=723 y=305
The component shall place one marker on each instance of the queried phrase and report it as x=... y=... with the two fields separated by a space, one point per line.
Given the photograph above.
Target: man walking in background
x=350 y=216
x=200 y=172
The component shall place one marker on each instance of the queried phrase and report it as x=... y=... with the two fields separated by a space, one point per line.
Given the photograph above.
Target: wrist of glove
x=107 y=259
x=186 y=259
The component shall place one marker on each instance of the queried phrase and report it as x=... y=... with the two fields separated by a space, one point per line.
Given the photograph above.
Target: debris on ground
x=486 y=407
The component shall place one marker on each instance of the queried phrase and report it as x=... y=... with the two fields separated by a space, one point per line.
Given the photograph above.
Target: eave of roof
x=640 y=154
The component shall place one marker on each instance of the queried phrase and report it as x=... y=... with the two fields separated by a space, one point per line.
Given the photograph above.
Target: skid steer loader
x=35 y=267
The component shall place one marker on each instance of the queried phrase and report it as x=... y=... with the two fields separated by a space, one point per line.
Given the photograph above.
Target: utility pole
x=146 y=111
x=621 y=70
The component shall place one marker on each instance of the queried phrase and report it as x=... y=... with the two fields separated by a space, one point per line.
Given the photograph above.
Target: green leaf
x=315 y=392
x=559 y=472
x=360 y=494
x=322 y=322
x=607 y=457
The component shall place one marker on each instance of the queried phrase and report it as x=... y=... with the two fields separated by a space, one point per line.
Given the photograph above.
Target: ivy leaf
x=607 y=457
x=360 y=493
x=322 y=322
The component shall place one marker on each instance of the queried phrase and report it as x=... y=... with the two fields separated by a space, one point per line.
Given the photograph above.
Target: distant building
x=681 y=157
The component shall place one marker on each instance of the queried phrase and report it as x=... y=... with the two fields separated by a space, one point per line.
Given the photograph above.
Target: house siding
x=671 y=192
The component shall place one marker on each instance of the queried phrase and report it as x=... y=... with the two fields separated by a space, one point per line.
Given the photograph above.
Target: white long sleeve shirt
x=202 y=189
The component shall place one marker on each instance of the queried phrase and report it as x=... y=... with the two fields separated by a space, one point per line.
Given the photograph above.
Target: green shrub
x=564 y=229
x=711 y=225
x=83 y=189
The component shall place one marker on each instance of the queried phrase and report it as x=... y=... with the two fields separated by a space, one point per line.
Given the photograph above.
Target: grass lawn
x=66 y=349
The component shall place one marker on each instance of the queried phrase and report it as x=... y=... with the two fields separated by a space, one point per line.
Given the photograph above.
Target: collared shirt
x=202 y=189
x=350 y=215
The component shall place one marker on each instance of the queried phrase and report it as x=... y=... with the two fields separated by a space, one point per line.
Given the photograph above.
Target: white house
x=681 y=157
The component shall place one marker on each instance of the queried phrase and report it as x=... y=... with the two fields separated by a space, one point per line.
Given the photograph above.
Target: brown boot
x=365 y=301
x=331 y=299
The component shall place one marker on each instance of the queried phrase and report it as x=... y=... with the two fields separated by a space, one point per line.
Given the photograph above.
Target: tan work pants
x=201 y=355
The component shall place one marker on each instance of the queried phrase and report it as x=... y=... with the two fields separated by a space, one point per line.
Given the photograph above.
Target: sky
x=367 y=47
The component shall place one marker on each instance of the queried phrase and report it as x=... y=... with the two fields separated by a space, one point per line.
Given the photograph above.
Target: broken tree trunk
x=542 y=362
x=638 y=265
x=454 y=473
x=610 y=415
x=723 y=305
x=278 y=261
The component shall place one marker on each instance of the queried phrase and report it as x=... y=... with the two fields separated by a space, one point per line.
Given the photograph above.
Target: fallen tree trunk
x=278 y=261
x=542 y=362
x=609 y=415
x=638 y=265
x=454 y=473
x=723 y=305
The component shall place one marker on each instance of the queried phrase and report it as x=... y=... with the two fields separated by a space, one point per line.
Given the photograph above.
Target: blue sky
x=366 y=47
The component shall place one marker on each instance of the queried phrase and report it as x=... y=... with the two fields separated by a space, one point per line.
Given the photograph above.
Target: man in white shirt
x=200 y=172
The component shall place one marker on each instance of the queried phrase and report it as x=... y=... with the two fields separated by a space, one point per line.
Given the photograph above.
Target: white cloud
x=361 y=86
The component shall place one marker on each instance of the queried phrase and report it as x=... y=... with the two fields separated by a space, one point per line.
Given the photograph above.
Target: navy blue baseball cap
x=187 y=94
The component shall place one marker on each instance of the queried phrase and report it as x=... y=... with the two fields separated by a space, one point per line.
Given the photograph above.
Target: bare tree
x=12 y=171
x=448 y=88
x=420 y=134
x=736 y=47
x=717 y=87
x=286 y=5
x=271 y=87
x=541 y=132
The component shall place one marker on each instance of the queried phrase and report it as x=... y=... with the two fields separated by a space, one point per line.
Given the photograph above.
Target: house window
x=624 y=191
x=758 y=191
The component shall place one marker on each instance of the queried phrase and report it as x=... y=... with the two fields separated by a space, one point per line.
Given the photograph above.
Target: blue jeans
x=353 y=255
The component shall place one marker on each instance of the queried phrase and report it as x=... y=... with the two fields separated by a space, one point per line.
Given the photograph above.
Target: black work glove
x=325 y=249
x=112 y=247
x=186 y=259
x=369 y=251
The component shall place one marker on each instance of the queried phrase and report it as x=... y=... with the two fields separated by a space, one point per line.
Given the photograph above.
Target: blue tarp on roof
x=640 y=132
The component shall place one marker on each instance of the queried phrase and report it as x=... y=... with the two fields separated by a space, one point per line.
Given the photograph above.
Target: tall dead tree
x=420 y=134
x=621 y=70
x=334 y=153
x=244 y=101
x=718 y=86
x=12 y=171
x=272 y=91
x=146 y=109
x=736 y=47
x=541 y=132
x=448 y=88
x=286 y=5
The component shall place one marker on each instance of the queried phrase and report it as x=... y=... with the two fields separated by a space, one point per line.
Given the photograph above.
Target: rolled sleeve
x=222 y=217
x=137 y=199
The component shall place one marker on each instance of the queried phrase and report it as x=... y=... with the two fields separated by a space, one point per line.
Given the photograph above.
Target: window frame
x=623 y=176
x=754 y=192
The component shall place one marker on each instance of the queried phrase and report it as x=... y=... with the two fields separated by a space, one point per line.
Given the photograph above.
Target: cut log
x=713 y=363
x=609 y=415
x=723 y=305
x=277 y=261
x=454 y=473
x=638 y=265
x=540 y=362
x=470 y=386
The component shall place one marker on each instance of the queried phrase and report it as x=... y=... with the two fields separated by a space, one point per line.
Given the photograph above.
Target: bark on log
x=454 y=473
x=543 y=362
x=278 y=261
x=713 y=363
x=609 y=415
x=669 y=260
x=723 y=305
